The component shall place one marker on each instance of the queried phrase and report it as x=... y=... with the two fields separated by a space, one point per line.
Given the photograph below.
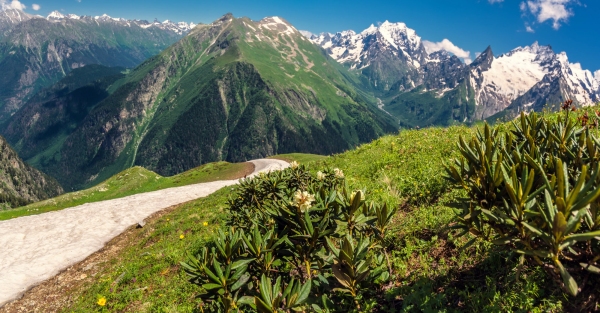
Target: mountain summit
x=383 y=54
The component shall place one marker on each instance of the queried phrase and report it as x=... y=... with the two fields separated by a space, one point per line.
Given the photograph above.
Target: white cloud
x=523 y=7
x=495 y=1
x=14 y=4
x=544 y=10
x=477 y=54
x=35 y=7
x=447 y=45
x=597 y=75
x=306 y=33
x=529 y=29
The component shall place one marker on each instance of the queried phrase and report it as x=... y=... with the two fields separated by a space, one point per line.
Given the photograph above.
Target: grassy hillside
x=433 y=270
x=133 y=181
x=298 y=157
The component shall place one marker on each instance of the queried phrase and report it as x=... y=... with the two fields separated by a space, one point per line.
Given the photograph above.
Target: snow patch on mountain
x=179 y=27
x=514 y=73
x=14 y=16
x=275 y=23
x=581 y=83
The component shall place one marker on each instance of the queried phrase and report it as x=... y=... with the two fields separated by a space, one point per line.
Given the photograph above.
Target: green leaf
x=261 y=306
x=241 y=282
x=590 y=268
x=212 y=276
x=504 y=240
x=289 y=288
x=532 y=229
x=211 y=286
x=582 y=236
x=265 y=289
x=241 y=262
x=218 y=270
x=570 y=283
x=304 y=292
x=247 y=300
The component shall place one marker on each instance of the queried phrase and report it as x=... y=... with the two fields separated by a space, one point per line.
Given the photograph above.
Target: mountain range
x=238 y=89
x=422 y=88
x=36 y=52
x=233 y=90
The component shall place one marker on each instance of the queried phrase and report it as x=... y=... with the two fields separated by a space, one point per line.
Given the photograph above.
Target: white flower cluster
x=303 y=200
x=338 y=173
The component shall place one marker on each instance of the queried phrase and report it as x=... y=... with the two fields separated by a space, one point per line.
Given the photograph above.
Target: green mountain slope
x=232 y=90
x=20 y=183
x=422 y=108
x=45 y=121
x=37 y=53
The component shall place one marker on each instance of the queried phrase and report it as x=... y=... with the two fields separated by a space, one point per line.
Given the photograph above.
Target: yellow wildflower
x=320 y=175
x=294 y=164
x=205 y=224
x=181 y=236
x=101 y=301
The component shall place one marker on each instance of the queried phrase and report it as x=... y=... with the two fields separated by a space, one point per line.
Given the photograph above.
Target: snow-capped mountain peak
x=359 y=49
x=531 y=77
x=55 y=15
x=369 y=31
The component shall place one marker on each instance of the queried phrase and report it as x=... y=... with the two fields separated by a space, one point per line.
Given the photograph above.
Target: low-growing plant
x=295 y=241
x=534 y=190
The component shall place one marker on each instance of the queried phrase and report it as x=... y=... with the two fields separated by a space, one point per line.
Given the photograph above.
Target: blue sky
x=470 y=25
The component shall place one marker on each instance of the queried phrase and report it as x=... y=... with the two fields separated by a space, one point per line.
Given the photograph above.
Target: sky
x=463 y=27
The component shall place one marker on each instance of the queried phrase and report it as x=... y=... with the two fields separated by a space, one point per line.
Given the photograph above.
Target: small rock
x=141 y=224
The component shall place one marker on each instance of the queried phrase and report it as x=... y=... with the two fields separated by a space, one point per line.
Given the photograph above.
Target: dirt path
x=35 y=248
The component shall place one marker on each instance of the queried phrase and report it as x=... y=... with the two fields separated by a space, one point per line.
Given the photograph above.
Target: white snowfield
x=35 y=248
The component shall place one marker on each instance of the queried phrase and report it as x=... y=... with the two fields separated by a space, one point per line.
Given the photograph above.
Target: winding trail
x=35 y=248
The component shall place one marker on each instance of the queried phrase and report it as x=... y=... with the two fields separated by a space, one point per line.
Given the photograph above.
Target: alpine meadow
x=263 y=164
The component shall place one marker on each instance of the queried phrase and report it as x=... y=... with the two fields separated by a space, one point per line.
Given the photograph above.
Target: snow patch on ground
x=37 y=247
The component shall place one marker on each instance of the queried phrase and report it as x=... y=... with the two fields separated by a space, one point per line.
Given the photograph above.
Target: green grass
x=301 y=158
x=432 y=271
x=132 y=181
